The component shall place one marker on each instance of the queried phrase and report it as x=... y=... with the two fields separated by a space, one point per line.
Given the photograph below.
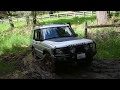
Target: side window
x=36 y=34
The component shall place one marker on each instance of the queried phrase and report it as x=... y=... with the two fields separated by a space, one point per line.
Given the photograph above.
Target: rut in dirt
x=99 y=69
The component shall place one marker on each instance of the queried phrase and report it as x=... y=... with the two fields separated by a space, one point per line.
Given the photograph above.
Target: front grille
x=79 y=49
x=66 y=50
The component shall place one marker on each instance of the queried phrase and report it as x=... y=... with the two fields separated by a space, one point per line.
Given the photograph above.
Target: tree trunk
x=109 y=15
x=11 y=23
x=27 y=20
x=102 y=17
x=34 y=17
x=9 y=14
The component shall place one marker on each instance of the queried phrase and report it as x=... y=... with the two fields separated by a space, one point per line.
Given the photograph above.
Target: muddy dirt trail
x=99 y=69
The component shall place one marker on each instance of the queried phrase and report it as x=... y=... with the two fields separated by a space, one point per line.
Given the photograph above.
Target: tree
x=34 y=14
x=25 y=14
x=3 y=14
x=9 y=14
x=102 y=17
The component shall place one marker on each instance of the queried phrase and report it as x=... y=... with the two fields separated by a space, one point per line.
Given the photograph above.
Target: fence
x=74 y=14
x=98 y=26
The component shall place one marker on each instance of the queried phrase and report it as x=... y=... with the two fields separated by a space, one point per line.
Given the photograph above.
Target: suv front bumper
x=73 y=57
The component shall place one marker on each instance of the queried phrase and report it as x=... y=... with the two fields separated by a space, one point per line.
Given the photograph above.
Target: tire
x=89 y=60
x=34 y=53
x=48 y=64
x=86 y=61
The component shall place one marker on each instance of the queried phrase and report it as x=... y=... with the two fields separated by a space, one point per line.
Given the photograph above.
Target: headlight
x=72 y=49
x=86 y=47
x=91 y=45
x=59 y=51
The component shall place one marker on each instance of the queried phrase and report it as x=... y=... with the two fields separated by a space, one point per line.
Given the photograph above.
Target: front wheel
x=87 y=61
x=48 y=63
x=34 y=54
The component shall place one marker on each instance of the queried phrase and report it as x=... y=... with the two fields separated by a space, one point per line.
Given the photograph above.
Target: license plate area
x=81 y=56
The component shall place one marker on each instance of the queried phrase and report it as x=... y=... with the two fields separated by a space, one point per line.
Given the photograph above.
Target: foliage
x=13 y=42
x=107 y=40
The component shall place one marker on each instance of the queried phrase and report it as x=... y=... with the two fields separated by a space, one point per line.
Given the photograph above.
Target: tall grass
x=109 y=49
x=20 y=24
x=12 y=43
x=108 y=42
x=4 y=26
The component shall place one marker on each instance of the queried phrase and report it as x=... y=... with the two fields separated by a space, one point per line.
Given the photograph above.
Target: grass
x=3 y=27
x=20 y=24
x=72 y=20
x=108 y=43
x=13 y=42
x=109 y=49
x=6 y=26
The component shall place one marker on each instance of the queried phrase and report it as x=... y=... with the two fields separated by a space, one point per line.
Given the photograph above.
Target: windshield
x=56 y=32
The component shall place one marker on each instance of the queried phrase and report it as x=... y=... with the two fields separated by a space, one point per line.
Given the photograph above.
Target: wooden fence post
x=83 y=13
x=85 y=29
x=66 y=15
x=74 y=14
x=57 y=15
x=91 y=13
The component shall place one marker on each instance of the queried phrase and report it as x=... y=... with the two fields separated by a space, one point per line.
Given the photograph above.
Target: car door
x=37 y=42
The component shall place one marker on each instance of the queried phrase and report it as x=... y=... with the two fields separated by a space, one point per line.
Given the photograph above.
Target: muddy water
x=99 y=69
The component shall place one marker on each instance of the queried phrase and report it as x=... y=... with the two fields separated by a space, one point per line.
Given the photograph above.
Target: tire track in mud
x=99 y=69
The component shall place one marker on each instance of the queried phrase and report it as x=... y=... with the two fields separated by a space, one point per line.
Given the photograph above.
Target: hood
x=64 y=42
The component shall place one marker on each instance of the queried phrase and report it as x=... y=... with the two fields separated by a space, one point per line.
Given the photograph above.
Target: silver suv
x=58 y=42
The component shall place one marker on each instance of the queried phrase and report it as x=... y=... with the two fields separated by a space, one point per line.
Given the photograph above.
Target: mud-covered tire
x=34 y=53
x=48 y=64
x=89 y=61
x=86 y=61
